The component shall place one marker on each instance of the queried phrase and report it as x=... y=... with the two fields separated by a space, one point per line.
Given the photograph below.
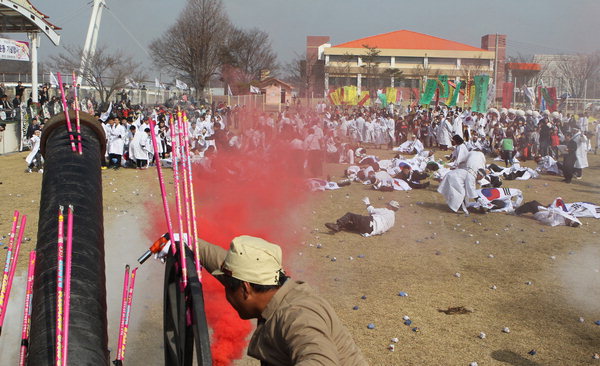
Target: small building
x=277 y=93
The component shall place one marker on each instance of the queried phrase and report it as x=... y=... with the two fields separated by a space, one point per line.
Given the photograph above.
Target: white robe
x=457 y=187
x=141 y=146
x=35 y=147
x=444 y=133
x=475 y=160
x=581 y=152
x=460 y=156
x=116 y=141
x=407 y=147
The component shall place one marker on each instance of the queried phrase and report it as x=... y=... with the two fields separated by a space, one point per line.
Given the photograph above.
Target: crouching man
x=295 y=325
x=378 y=222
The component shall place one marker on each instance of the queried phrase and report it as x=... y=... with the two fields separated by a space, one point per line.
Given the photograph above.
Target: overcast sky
x=532 y=26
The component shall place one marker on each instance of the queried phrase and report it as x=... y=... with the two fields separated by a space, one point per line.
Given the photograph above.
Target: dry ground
x=419 y=256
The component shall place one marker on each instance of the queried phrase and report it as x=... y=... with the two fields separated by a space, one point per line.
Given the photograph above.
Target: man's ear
x=247 y=290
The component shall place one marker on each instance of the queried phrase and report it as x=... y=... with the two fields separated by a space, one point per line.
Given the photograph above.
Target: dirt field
x=419 y=256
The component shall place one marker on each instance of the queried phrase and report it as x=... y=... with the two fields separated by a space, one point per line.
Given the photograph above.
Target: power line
x=128 y=32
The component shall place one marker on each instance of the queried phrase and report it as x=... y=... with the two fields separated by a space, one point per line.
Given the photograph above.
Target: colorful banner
x=508 y=90
x=13 y=50
x=365 y=99
x=430 y=89
x=479 y=103
x=452 y=102
x=391 y=95
x=549 y=95
x=444 y=92
x=383 y=98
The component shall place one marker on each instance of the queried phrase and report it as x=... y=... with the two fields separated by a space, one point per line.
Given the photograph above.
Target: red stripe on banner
x=552 y=107
x=507 y=94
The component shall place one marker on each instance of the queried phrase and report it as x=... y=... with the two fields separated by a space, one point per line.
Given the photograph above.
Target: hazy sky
x=532 y=26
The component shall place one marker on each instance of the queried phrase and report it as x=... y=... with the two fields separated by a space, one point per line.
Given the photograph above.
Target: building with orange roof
x=402 y=58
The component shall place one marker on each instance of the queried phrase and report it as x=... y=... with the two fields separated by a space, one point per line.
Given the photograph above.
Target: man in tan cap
x=295 y=325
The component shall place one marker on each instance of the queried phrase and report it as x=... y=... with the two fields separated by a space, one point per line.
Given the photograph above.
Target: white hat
x=555 y=114
x=520 y=112
x=394 y=204
x=511 y=111
x=494 y=111
x=546 y=112
x=529 y=112
x=503 y=110
x=536 y=113
x=253 y=260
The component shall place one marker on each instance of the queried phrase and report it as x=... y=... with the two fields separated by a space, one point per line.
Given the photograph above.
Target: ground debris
x=456 y=310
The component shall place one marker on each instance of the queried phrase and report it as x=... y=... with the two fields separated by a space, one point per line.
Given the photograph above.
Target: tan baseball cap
x=253 y=260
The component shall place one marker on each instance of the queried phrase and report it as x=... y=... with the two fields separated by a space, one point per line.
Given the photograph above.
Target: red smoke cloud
x=248 y=193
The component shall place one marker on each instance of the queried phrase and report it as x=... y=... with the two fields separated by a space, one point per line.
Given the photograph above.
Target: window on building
x=475 y=62
x=343 y=58
x=441 y=61
x=409 y=60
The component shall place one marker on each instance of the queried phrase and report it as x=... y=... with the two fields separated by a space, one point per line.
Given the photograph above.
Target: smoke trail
x=246 y=193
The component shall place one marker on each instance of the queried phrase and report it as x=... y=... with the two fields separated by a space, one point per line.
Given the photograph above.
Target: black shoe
x=333 y=227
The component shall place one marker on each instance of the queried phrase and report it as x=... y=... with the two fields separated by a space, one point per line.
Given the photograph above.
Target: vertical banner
x=553 y=102
x=491 y=95
x=429 y=92
x=444 y=93
x=481 y=91
x=454 y=99
x=383 y=98
x=507 y=94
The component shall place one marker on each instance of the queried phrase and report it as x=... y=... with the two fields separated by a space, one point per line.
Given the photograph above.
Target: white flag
x=180 y=84
x=130 y=83
x=229 y=91
x=53 y=80
x=156 y=83
x=254 y=90
x=104 y=116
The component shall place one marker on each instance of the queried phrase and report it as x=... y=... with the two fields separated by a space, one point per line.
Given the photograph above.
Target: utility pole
x=89 y=47
x=496 y=69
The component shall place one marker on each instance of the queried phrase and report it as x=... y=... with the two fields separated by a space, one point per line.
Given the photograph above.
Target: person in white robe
x=116 y=143
x=555 y=214
x=458 y=187
x=460 y=153
x=141 y=148
x=444 y=134
x=580 y=153
x=412 y=146
x=34 y=160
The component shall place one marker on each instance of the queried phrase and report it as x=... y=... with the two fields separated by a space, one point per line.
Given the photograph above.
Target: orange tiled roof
x=524 y=66
x=405 y=39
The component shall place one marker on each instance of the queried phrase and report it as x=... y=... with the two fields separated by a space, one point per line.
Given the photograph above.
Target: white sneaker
x=27 y=170
x=41 y=171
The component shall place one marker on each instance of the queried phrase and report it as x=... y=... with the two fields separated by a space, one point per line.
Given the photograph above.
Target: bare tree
x=577 y=70
x=294 y=73
x=192 y=48
x=104 y=71
x=249 y=51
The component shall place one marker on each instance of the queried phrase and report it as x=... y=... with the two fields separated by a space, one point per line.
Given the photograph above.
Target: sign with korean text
x=14 y=50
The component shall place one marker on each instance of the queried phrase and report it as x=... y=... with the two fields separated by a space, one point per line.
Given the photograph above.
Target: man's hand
x=366 y=201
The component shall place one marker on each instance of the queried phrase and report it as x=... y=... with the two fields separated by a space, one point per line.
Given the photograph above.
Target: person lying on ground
x=413 y=177
x=554 y=214
x=377 y=222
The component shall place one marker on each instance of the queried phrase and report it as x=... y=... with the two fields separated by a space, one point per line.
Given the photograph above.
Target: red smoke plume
x=248 y=193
